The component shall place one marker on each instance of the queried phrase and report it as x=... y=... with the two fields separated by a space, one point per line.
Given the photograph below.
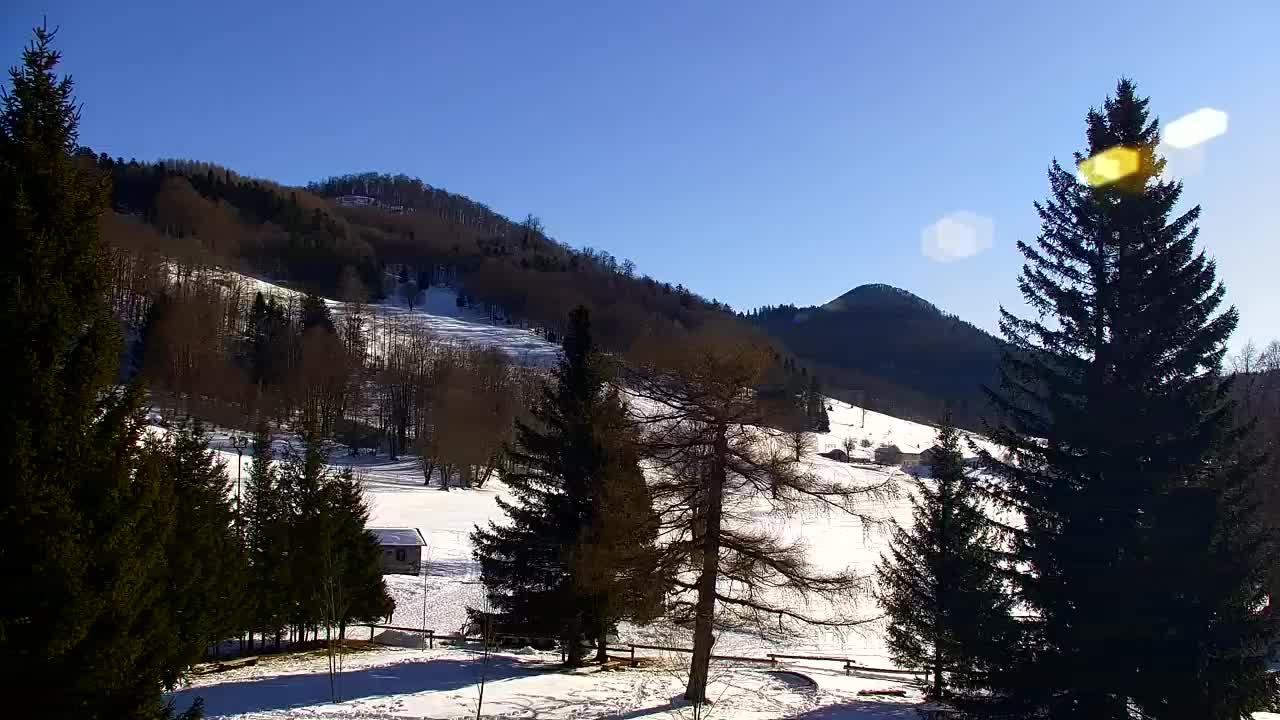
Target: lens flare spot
x=1109 y=166
x=1194 y=128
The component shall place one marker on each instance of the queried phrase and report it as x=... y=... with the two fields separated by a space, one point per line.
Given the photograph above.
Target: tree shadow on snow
x=676 y=701
x=281 y=692
x=862 y=710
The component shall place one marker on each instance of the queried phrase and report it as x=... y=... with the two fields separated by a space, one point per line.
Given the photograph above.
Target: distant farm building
x=401 y=550
x=355 y=201
x=836 y=454
x=888 y=455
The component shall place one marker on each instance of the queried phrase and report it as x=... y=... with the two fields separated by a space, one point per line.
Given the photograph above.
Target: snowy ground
x=435 y=309
x=442 y=682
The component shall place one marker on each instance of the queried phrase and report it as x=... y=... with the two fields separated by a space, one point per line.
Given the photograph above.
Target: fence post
x=370 y=633
x=633 y=654
x=431 y=639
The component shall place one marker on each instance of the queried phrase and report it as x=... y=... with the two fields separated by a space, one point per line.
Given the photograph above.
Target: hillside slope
x=891 y=350
x=875 y=345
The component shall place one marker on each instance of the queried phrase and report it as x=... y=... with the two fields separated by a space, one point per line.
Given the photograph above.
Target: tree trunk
x=704 y=613
x=488 y=472
x=937 y=672
x=428 y=466
x=571 y=642
x=602 y=644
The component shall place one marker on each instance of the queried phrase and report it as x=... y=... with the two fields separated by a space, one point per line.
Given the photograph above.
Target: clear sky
x=759 y=153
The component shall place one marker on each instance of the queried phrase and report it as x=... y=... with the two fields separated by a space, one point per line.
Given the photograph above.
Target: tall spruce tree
x=816 y=407
x=314 y=313
x=615 y=563
x=941 y=584
x=356 y=588
x=303 y=480
x=533 y=565
x=205 y=555
x=1142 y=564
x=266 y=538
x=330 y=561
x=83 y=520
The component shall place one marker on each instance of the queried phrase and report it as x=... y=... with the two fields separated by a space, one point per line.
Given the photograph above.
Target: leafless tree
x=1256 y=390
x=409 y=291
x=799 y=442
x=713 y=472
x=322 y=383
x=406 y=357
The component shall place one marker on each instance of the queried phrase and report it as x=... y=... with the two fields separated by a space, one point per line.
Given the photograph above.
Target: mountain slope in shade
x=892 y=350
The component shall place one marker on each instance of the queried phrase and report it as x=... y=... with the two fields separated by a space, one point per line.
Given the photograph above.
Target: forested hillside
x=302 y=238
x=875 y=345
x=891 y=350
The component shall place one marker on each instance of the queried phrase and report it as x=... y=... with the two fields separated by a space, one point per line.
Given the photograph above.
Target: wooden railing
x=850 y=665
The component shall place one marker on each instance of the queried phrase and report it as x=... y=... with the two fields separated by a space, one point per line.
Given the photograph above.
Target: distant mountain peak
x=878 y=294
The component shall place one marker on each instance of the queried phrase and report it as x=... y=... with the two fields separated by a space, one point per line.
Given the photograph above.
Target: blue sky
x=758 y=153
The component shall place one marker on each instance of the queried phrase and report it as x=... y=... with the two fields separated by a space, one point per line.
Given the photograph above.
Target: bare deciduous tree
x=713 y=474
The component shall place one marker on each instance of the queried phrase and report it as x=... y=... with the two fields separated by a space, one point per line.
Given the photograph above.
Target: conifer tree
x=83 y=520
x=615 y=563
x=356 y=589
x=941 y=584
x=266 y=538
x=315 y=313
x=816 y=407
x=330 y=559
x=528 y=564
x=1142 y=565
x=303 y=480
x=206 y=560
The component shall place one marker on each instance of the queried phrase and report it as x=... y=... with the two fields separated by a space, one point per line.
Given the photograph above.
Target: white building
x=401 y=550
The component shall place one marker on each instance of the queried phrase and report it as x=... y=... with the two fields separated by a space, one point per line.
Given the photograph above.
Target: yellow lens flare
x=1109 y=166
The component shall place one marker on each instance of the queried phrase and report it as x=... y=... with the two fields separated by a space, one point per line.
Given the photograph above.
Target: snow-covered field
x=442 y=682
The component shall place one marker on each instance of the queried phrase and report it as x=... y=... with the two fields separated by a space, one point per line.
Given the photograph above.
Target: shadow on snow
x=281 y=692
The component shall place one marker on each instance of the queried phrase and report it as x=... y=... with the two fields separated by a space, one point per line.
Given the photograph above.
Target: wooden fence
x=772 y=659
x=850 y=666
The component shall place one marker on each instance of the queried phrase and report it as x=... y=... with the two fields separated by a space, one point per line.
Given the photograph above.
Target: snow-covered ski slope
x=436 y=310
x=439 y=314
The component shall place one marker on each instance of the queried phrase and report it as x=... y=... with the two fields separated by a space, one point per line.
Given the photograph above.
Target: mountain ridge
x=891 y=349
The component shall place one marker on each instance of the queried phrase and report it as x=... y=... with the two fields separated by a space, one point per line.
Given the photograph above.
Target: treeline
x=130 y=557
x=414 y=195
x=311 y=564
x=241 y=222
x=454 y=406
x=210 y=346
x=172 y=220
x=299 y=237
